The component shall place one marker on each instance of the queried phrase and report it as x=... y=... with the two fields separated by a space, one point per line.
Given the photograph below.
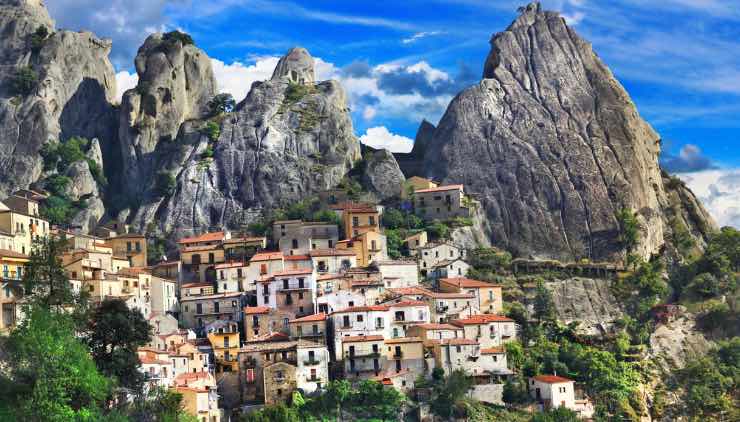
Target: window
x=301 y=283
x=345 y=321
x=216 y=306
x=313 y=371
x=266 y=299
x=239 y=272
x=315 y=329
x=285 y=284
x=195 y=259
x=226 y=343
x=355 y=221
x=490 y=295
x=300 y=295
x=395 y=332
x=359 y=318
x=294 y=244
x=128 y=246
x=299 y=330
x=222 y=275
x=198 y=308
x=458 y=349
x=225 y=287
x=373 y=245
x=263 y=269
x=351 y=303
x=371 y=220
x=233 y=304
x=211 y=258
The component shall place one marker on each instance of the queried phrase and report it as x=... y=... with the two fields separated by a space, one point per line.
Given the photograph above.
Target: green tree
x=515 y=391
x=394 y=219
x=544 y=307
x=374 y=399
x=165 y=184
x=212 y=130
x=449 y=395
x=115 y=333
x=629 y=229
x=394 y=243
x=559 y=414
x=160 y=405
x=438 y=230
x=48 y=374
x=273 y=413
x=24 y=81
x=221 y=103
x=44 y=280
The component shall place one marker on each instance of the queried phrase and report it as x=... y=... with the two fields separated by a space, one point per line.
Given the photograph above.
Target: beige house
x=131 y=246
x=11 y=290
x=262 y=320
x=552 y=391
x=199 y=311
x=441 y=203
x=489 y=330
x=399 y=272
x=488 y=295
x=416 y=241
x=21 y=220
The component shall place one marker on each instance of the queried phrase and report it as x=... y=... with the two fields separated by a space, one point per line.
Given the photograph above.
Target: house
x=280 y=382
x=357 y=321
x=261 y=320
x=453 y=354
x=199 y=254
x=489 y=330
x=371 y=289
x=242 y=248
x=11 y=264
x=132 y=246
x=441 y=203
x=199 y=395
x=398 y=273
x=296 y=237
x=311 y=327
x=199 y=361
x=420 y=183
x=332 y=261
x=443 y=306
x=360 y=218
x=406 y=314
x=363 y=356
x=21 y=220
x=196 y=289
x=224 y=338
x=433 y=253
x=292 y=291
x=416 y=241
x=164 y=296
x=262 y=265
x=449 y=268
x=369 y=247
x=552 y=391
x=170 y=270
x=341 y=299
x=198 y=311
x=312 y=370
x=435 y=331
x=256 y=356
x=488 y=295
x=156 y=366
x=231 y=276
x=405 y=353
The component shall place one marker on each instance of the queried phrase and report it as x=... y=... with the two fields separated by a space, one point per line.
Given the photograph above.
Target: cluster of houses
x=242 y=321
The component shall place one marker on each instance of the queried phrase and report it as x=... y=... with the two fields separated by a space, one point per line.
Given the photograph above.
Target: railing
x=373 y=354
x=397 y=355
x=313 y=378
x=311 y=362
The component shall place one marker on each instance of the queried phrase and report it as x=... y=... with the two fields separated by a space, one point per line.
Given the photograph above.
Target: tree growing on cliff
x=221 y=103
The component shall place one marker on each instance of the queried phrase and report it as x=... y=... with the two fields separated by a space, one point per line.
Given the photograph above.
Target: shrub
x=212 y=130
x=24 y=81
x=208 y=153
x=629 y=229
x=438 y=230
x=38 y=38
x=165 y=184
x=97 y=172
x=221 y=103
x=182 y=37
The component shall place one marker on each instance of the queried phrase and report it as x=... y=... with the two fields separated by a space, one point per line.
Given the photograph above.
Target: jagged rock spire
x=296 y=66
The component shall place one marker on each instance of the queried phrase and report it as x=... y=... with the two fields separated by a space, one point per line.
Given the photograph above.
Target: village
x=242 y=321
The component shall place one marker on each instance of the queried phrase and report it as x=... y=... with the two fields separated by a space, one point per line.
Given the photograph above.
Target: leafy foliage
x=44 y=280
x=165 y=184
x=212 y=130
x=183 y=38
x=438 y=230
x=38 y=38
x=221 y=103
x=559 y=414
x=24 y=81
x=544 y=307
x=449 y=394
x=629 y=229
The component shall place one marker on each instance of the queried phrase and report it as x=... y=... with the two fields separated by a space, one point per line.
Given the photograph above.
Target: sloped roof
x=205 y=237
x=464 y=282
x=552 y=379
x=311 y=318
x=481 y=319
x=441 y=189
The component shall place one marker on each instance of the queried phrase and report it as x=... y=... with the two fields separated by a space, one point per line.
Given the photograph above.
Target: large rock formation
x=71 y=86
x=287 y=140
x=554 y=147
x=381 y=174
x=175 y=84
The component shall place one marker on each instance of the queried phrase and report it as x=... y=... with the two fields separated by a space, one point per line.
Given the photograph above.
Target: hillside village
x=242 y=320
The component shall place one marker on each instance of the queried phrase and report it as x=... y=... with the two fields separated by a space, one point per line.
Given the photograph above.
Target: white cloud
x=574 y=18
x=369 y=112
x=419 y=35
x=237 y=78
x=380 y=138
x=124 y=82
x=719 y=191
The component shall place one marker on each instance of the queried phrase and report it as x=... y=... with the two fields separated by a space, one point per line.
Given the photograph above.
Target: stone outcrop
x=72 y=94
x=381 y=174
x=588 y=301
x=412 y=163
x=176 y=82
x=297 y=67
x=553 y=146
x=284 y=142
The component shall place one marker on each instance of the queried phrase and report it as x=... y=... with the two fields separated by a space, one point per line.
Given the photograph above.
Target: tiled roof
x=332 y=252
x=4 y=253
x=294 y=271
x=310 y=318
x=353 y=339
x=199 y=248
x=297 y=257
x=467 y=282
x=481 y=319
x=244 y=240
x=551 y=379
x=230 y=265
x=275 y=336
x=403 y=340
x=362 y=309
x=255 y=310
x=329 y=276
x=437 y=326
x=189 y=285
x=493 y=351
x=440 y=189
x=458 y=341
x=152 y=361
x=205 y=237
x=406 y=303
x=266 y=256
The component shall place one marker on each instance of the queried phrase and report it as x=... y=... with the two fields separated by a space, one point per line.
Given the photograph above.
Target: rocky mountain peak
x=296 y=66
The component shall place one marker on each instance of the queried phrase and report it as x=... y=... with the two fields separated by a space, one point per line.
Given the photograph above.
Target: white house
x=449 y=268
x=231 y=277
x=489 y=330
x=433 y=253
x=312 y=372
x=357 y=321
x=289 y=290
x=164 y=296
x=553 y=391
x=340 y=299
x=405 y=314
x=261 y=265
x=399 y=273
x=333 y=261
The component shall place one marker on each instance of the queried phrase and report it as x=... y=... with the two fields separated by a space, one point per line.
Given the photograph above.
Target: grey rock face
x=588 y=301
x=553 y=145
x=475 y=236
x=175 y=84
x=84 y=186
x=297 y=66
x=274 y=149
x=381 y=174
x=76 y=85
x=412 y=163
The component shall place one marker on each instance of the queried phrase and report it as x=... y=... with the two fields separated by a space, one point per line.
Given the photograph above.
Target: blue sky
x=402 y=61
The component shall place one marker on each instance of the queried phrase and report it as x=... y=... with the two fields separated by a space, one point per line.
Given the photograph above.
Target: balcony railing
x=397 y=355
x=313 y=378
x=310 y=362
x=373 y=354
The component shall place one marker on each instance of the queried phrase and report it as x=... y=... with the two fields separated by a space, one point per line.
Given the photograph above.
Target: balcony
x=313 y=378
x=397 y=355
x=311 y=362
x=280 y=380
x=361 y=355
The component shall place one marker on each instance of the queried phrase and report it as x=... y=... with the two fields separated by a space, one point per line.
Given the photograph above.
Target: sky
x=403 y=61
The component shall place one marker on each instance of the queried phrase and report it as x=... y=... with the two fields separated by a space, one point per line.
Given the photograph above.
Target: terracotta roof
x=353 y=339
x=551 y=379
x=294 y=271
x=441 y=188
x=254 y=310
x=182 y=379
x=332 y=252
x=230 y=265
x=362 y=309
x=421 y=291
x=199 y=248
x=406 y=303
x=437 y=326
x=205 y=237
x=4 y=253
x=266 y=256
x=467 y=282
x=329 y=276
x=403 y=340
x=493 y=351
x=481 y=319
x=458 y=341
x=297 y=257
x=275 y=336
x=367 y=282
x=152 y=361
x=214 y=296
x=189 y=285
x=310 y=318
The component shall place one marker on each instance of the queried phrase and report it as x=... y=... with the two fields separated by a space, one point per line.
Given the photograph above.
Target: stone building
x=441 y=203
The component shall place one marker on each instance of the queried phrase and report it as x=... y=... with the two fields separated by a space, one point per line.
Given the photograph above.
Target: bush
x=175 y=36
x=208 y=153
x=212 y=130
x=221 y=103
x=24 y=81
x=438 y=230
x=165 y=184
x=629 y=229
x=38 y=38
x=97 y=172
